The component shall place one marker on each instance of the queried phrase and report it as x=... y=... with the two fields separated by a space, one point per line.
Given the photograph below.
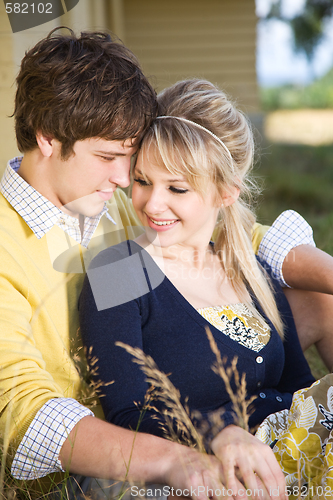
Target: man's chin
x=83 y=208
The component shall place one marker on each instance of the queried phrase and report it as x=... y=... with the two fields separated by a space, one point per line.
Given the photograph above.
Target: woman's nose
x=156 y=202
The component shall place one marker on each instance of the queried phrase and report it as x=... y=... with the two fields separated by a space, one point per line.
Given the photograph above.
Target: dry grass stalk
x=165 y=391
x=238 y=397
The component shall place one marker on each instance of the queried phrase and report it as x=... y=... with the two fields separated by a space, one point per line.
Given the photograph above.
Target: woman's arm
x=122 y=383
x=296 y=372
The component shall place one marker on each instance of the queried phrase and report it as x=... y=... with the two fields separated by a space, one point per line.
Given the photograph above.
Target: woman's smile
x=161 y=224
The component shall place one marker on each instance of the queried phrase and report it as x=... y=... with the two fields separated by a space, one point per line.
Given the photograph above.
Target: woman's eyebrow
x=168 y=180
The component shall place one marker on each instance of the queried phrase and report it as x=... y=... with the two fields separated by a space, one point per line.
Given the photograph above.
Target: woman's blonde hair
x=224 y=160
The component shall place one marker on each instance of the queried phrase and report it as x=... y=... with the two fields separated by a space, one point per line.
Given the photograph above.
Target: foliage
x=307 y=27
x=318 y=94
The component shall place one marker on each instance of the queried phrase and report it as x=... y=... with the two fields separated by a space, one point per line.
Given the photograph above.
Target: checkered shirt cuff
x=38 y=452
x=288 y=231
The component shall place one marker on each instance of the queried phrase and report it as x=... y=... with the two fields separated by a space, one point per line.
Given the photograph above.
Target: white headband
x=202 y=128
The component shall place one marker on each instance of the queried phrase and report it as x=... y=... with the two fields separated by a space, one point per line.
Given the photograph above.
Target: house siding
x=212 y=39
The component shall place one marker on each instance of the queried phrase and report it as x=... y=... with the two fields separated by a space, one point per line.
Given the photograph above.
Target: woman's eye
x=178 y=190
x=141 y=182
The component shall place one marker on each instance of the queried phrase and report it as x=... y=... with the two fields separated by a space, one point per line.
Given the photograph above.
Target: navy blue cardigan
x=127 y=298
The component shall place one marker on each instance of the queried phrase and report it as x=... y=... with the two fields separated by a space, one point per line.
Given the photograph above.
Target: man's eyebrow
x=114 y=153
x=110 y=153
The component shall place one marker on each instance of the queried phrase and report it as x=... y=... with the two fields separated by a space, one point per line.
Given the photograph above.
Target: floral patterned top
x=239 y=323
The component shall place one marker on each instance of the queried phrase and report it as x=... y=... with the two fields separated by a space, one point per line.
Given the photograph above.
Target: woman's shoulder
x=115 y=253
x=122 y=273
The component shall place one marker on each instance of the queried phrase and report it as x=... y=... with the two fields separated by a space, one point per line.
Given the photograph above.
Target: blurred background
x=295 y=85
x=274 y=58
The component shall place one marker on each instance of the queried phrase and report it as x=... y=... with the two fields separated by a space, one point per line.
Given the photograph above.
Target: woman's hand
x=243 y=456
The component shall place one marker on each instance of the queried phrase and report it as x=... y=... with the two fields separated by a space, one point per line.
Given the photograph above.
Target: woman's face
x=169 y=208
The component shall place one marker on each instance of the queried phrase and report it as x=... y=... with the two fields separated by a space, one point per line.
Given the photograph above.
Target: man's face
x=82 y=183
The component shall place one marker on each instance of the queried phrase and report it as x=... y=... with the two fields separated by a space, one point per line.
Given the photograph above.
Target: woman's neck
x=195 y=256
x=195 y=270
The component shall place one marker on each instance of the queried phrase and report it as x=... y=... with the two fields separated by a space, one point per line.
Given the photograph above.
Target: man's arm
x=308 y=268
x=289 y=249
x=100 y=449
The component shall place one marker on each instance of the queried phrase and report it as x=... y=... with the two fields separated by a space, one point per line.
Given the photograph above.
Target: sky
x=277 y=63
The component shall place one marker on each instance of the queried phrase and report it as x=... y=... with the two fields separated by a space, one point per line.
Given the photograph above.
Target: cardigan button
x=259 y=384
x=262 y=395
x=279 y=399
x=259 y=359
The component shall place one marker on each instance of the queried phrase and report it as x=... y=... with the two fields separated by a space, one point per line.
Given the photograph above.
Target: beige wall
x=173 y=39
x=7 y=72
x=213 y=39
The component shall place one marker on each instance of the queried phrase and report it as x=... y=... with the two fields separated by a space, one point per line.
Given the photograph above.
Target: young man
x=82 y=106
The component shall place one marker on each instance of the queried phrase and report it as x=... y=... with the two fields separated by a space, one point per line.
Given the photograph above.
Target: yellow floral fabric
x=303 y=438
x=238 y=322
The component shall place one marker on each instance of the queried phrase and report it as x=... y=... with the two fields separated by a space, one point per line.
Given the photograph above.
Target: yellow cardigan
x=40 y=282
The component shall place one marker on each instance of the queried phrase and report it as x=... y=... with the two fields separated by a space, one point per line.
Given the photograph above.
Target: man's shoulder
x=124 y=207
x=15 y=234
x=257 y=233
x=8 y=215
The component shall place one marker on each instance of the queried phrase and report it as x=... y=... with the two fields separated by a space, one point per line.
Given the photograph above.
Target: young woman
x=161 y=291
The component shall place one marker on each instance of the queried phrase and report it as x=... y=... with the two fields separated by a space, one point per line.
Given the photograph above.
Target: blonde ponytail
x=234 y=249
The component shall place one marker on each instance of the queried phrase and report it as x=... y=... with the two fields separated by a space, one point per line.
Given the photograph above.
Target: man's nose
x=120 y=173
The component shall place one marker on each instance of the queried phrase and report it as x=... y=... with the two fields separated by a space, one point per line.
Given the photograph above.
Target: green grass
x=299 y=178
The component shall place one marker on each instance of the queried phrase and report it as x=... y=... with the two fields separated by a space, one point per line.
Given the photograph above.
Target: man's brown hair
x=72 y=88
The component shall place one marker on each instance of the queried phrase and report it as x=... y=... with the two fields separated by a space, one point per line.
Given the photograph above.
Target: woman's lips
x=161 y=224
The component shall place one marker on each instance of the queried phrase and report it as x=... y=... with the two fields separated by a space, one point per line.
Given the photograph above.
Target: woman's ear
x=230 y=196
x=45 y=144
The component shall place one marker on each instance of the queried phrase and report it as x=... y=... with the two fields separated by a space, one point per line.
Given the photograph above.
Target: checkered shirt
x=38 y=452
x=288 y=231
x=39 y=213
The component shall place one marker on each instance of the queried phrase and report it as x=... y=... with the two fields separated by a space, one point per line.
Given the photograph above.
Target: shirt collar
x=36 y=210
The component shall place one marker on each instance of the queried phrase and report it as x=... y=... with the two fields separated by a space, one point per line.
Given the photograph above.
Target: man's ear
x=45 y=144
x=230 y=196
